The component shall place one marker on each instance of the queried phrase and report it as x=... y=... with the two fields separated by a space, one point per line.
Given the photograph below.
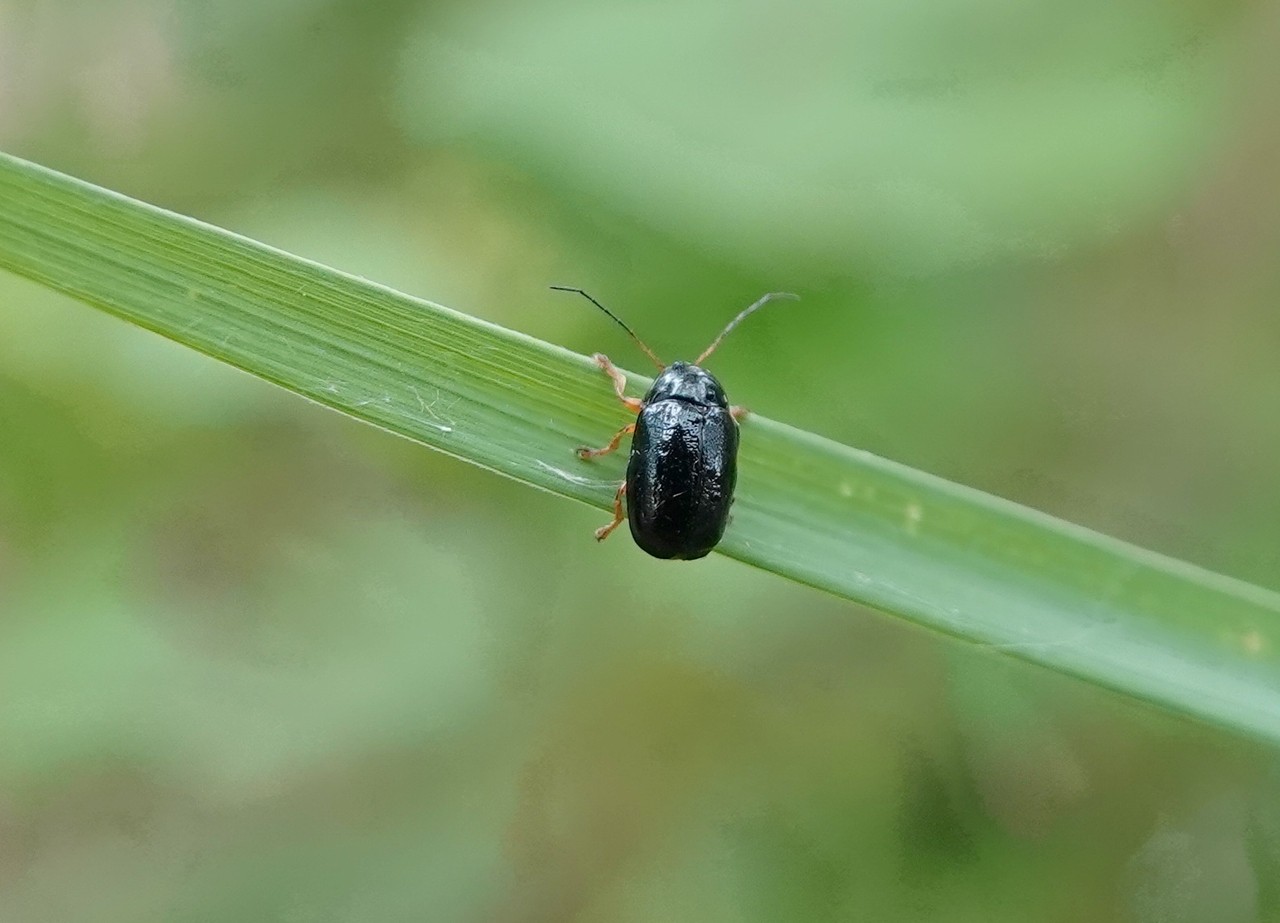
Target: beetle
x=684 y=450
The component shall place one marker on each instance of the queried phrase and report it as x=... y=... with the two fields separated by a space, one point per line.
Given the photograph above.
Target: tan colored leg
x=634 y=404
x=585 y=452
x=603 y=532
x=738 y=412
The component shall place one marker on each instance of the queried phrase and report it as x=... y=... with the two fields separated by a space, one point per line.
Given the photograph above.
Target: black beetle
x=684 y=452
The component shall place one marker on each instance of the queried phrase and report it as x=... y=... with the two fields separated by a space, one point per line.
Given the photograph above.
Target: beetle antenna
x=639 y=342
x=760 y=303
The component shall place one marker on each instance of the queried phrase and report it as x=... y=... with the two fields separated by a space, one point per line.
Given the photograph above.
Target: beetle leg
x=738 y=412
x=603 y=532
x=634 y=404
x=585 y=452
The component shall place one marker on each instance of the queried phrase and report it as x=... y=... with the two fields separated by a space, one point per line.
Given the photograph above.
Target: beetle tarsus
x=585 y=452
x=603 y=532
x=738 y=412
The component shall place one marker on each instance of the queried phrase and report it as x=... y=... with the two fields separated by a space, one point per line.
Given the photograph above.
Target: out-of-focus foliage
x=257 y=662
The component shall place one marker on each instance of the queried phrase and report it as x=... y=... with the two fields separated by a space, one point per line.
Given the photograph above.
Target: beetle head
x=684 y=382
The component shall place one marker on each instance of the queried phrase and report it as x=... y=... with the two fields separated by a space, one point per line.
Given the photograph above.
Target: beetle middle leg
x=738 y=412
x=603 y=532
x=634 y=404
x=585 y=452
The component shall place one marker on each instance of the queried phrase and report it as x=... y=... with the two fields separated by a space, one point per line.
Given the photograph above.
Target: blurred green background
x=259 y=662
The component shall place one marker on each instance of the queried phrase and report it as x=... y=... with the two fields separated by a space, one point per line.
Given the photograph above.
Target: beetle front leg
x=634 y=404
x=585 y=452
x=603 y=532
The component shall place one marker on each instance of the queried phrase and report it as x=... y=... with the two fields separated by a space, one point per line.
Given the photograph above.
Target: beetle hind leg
x=603 y=532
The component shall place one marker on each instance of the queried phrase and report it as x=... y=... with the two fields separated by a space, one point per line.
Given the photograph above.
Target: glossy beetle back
x=683 y=465
x=684 y=449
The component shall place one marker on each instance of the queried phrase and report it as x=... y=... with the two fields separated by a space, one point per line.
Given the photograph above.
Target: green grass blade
x=839 y=519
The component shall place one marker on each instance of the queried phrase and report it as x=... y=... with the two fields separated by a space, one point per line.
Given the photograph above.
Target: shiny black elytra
x=684 y=451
